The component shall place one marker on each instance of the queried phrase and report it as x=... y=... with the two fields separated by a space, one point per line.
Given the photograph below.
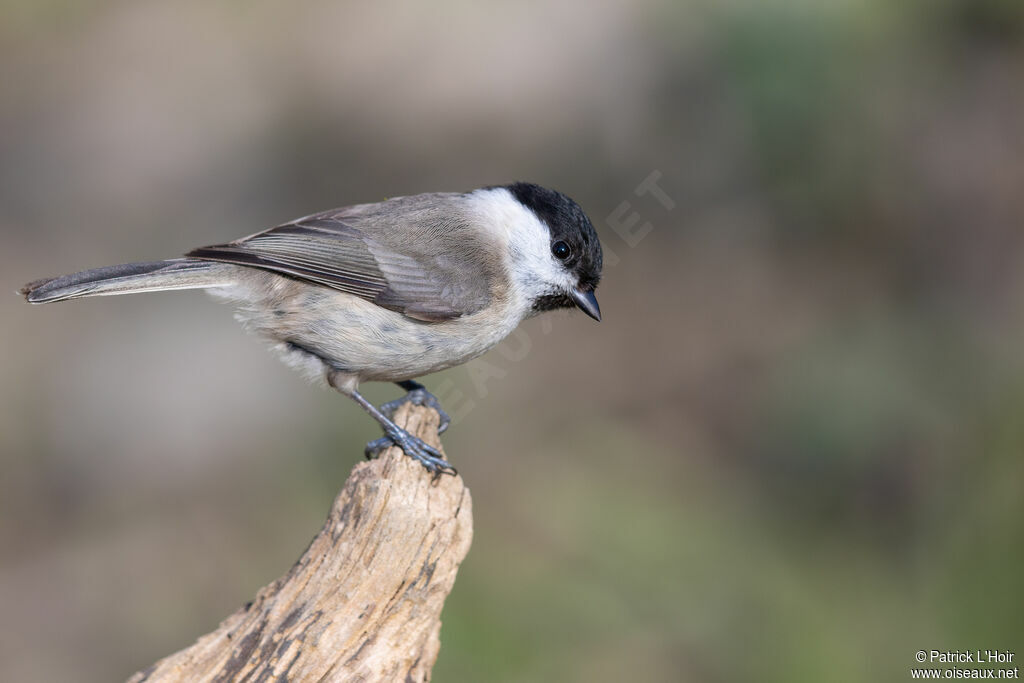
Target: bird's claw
x=415 y=448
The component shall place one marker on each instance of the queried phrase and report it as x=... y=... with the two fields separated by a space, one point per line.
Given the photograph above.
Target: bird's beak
x=587 y=303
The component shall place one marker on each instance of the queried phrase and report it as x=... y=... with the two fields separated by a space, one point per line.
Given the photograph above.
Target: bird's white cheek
x=527 y=243
x=536 y=276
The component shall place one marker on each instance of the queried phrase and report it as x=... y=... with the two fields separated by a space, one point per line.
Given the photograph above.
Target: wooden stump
x=364 y=601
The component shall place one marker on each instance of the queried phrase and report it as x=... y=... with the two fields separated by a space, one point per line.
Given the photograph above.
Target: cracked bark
x=364 y=601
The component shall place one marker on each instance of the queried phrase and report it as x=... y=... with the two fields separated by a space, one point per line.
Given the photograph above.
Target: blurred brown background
x=791 y=451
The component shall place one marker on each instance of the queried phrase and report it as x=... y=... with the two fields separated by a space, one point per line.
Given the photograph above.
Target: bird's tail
x=129 y=278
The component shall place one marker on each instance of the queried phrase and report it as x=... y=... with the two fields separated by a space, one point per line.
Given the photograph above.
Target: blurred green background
x=791 y=452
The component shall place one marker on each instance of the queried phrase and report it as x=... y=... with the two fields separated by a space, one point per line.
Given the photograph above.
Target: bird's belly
x=357 y=337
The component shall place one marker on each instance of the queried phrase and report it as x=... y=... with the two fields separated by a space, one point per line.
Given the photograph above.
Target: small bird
x=386 y=292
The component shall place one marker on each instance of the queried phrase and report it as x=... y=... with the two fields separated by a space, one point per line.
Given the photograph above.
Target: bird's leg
x=413 y=446
x=417 y=395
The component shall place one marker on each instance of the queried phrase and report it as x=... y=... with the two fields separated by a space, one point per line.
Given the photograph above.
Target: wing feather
x=402 y=265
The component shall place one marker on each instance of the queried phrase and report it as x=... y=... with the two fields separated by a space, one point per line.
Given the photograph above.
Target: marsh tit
x=386 y=292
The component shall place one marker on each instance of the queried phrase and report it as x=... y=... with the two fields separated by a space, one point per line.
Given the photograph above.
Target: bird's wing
x=405 y=261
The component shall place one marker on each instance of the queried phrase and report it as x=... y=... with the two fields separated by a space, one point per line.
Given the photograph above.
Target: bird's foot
x=418 y=396
x=415 y=448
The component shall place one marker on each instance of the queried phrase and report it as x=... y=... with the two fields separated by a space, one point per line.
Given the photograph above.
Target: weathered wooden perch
x=364 y=601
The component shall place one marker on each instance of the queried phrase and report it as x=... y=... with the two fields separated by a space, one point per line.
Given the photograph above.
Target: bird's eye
x=561 y=250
